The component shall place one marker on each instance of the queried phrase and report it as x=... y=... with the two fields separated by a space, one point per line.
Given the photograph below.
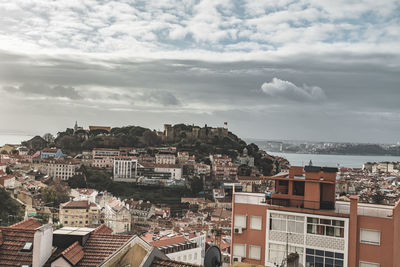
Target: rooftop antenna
x=213 y=257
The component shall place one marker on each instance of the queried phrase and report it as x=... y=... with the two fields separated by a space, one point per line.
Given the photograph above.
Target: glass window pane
x=330 y=231
x=339 y=255
x=329 y=254
x=310 y=251
x=319 y=252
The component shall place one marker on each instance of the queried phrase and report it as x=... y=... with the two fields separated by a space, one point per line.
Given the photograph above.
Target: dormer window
x=27 y=247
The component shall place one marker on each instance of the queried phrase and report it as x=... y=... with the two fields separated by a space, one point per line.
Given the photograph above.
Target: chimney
x=42 y=245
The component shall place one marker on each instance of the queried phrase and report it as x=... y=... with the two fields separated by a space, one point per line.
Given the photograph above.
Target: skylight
x=27 y=247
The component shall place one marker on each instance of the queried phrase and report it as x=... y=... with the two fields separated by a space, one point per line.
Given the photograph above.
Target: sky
x=300 y=70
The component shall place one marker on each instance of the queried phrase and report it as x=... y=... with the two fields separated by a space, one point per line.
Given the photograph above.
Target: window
x=287 y=223
x=372 y=237
x=334 y=228
x=368 y=264
x=240 y=221
x=321 y=258
x=239 y=250
x=255 y=252
x=277 y=252
x=255 y=222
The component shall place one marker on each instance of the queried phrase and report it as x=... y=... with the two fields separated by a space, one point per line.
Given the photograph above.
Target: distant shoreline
x=334 y=154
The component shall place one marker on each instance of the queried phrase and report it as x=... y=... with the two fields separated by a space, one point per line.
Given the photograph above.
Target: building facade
x=125 y=168
x=61 y=168
x=165 y=159
x=79 y=213
x=302 y=216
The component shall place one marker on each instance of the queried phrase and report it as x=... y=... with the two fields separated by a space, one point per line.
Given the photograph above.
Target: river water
x=349 y=161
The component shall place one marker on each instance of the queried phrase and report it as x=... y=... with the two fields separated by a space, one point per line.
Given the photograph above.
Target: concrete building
x=223 y=168
x=125 y=168
x=179 y=248
x=165 y=159
x=104 y=157
x=302 y=216
x=79 y=213
x=117 y=216
x=173 y=169
x=60 y=168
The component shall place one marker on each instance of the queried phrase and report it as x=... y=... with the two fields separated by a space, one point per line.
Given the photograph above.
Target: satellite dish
x=212 y=257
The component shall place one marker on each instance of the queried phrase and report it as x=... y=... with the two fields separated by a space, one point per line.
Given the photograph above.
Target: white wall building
x=62 y=169
x=174 y=170
x=125 y=168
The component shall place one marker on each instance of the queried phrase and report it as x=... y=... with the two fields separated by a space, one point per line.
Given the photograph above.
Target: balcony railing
x=300 y=203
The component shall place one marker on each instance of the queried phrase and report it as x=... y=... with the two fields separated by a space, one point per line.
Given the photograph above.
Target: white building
x=60 y=168
x=117 y=216
x=179 y=248
x=125 y=168
x=165 y=159
x=173 y=169
x=84 y=194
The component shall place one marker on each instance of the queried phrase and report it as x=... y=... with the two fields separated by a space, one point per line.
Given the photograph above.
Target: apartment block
x=79 y=213
x=302 y=219
x=125 y=168
x=165 y=159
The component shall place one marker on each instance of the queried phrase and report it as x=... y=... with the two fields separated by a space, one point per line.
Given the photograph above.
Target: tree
x=56 y=193
x=77 y=181
x=196 y=185
x=8 y=170
x=150 y=138
x=10 y=210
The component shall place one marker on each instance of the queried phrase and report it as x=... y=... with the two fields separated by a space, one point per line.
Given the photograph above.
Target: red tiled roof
x=101 y=246
x=157 y=262
x=73 y=253
x=169 y=241
x=76 y=204
x=28 y=224
x=13 y=239
x=102 y=229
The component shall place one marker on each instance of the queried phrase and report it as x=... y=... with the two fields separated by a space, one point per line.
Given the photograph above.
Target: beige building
x=60 y=168
x=79 y=213
x=165 y=159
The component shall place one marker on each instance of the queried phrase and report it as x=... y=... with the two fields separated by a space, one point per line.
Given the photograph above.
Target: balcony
x=300 y=203
x=282 y=201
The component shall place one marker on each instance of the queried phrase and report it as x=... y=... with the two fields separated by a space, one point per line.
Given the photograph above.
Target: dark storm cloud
x=44 y=90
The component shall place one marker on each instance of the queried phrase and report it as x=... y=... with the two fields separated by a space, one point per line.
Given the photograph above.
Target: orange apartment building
x=302 y=215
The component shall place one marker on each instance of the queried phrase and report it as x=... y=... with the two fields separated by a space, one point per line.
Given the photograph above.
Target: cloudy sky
x=312 y=69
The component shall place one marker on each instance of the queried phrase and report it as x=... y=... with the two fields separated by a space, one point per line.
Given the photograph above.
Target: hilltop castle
x=174 y=133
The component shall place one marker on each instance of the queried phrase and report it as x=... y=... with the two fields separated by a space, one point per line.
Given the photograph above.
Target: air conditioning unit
x=238 y=230
x=237 y=259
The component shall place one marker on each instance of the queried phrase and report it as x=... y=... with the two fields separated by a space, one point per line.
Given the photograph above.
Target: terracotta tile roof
x=169 y=241
x=102 y=229
x=101 y=246
x=77 y=204
x=13 y=239
x=73 y=253
x=157 y=262
x=28 y=224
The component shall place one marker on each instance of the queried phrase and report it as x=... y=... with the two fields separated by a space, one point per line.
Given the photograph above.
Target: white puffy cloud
x=288 y=90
